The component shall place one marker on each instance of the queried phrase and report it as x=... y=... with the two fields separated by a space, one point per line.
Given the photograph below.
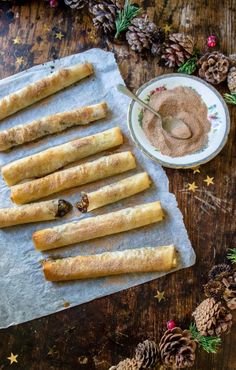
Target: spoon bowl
x=176 y=127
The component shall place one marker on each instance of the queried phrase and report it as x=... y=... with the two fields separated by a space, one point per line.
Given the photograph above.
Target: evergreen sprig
x=232 y=255
x=230 y=98
x=125 y=17
x=209 y=344
x=190 y=66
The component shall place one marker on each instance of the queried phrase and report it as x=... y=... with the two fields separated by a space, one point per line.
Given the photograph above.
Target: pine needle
x=230 y=98
x=209 y=344
x=125 y=17
x=232 y=255
x=190 y=66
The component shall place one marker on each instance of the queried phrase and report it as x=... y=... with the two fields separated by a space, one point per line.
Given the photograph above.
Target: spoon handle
x=123 y=89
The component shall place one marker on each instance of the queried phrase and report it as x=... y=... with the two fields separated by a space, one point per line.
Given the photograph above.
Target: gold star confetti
x=52 y=351
x=19 y=61
x=46 y=28
x=196 y=170
x=209 y=180
x=12 y=358
x=59 y=35
x=192 y=187
x=167 y=28
x=160 y=296
x=17 y=40
x=66 y=304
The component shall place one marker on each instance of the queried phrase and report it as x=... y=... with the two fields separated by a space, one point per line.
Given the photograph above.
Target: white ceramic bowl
x=218 y=115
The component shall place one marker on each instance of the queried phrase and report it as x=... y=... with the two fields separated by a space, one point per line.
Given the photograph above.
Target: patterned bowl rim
x=184 y=165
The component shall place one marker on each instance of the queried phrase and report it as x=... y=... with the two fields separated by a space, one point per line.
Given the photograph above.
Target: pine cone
x=215 y=289
x=128 y=364
x=105 y=13
x=213 y=67
x=177 y=348
x=147 y=354
x=158 y=42
x=219 y=271
x=76 y=4
x=212 y=318
x=231 y=80
x=178 y=48
x=229 y=294
x=144 y=35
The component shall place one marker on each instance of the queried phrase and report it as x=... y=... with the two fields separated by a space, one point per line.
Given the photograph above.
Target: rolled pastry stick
x=42 y=88
x=43 y=211
x=95 y=227
x=113 y=192
x=48 y=125
x=82 y=174
x=52 y=159
x=158 y=259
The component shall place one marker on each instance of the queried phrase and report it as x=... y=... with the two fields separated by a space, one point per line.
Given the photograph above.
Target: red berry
x=171 y=325
x=211 y=41
x=53 y=3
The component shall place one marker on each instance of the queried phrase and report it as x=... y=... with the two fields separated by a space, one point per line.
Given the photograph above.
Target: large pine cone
x=215 y=289
x=178 y=49
x=147 y=354
x=231 y=80
x=177 y=348
x=143 y=35
x=128 y=364
x=105 y=13
x=214 y=67
x=212 y=318
x=219 y=271
x=229 y=294
x=76 y=4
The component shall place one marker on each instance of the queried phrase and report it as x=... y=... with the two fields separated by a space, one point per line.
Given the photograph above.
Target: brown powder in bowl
x=185 y=104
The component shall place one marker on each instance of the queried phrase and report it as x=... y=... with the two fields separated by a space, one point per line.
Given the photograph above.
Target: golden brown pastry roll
x=48 y=125
x=158 y=259
x=95 y=227
x=41 y=89
x=82 y=174
x=114 y=192
x=52 y=159
x=43 y=211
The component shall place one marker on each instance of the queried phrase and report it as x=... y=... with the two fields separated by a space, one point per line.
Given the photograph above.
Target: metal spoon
x=174 y=126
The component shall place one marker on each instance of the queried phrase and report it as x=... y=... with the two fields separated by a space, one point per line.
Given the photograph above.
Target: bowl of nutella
x=190 y=100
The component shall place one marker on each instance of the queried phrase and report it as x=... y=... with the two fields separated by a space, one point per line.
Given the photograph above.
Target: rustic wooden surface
x=101 y=333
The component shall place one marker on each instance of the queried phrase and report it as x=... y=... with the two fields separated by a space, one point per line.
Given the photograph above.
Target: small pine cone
x=230 y=291
x=213 y=67
x=231 y=80
x=147 y=354
x=105 y=13
x=177 y=349
x=212 y=318
x=76 y=4
x=215 y=289
x=143 y=34
x=127 y=364
x=178 y=49
x=219 y=271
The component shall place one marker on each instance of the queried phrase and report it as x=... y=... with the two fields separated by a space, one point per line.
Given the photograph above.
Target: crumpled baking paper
x=25 y=295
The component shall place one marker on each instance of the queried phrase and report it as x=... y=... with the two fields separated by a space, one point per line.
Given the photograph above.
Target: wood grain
x=102 y=332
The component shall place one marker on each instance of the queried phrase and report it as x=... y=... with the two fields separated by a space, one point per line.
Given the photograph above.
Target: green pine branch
x=209 y=344
x=125 y=17
x=190 y=66
x=230 y=98
x=232 y=255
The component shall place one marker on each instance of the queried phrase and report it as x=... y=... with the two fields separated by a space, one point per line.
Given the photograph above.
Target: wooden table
x=102 y=332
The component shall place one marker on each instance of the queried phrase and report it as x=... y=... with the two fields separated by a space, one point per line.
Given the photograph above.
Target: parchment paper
x=25 y=295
